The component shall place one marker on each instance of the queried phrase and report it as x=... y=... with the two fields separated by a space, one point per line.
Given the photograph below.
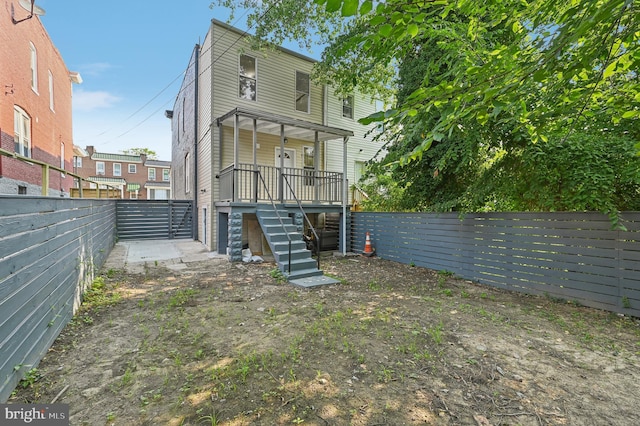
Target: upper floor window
x=166 y=173
x=347 y=107
x=21 y=132
x=117 y=169
x=77 y=162
x=152 y=174
x=248 y=77
x=34 y=67
x=51 y=103
x=100 y=168
x=187 y=173
x=132 y=168
x=62 y=155
x=302 y=91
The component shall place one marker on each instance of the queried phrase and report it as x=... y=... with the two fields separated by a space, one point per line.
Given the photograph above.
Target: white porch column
x=236 y=154
x=281 y=178
x=345 y=195
x=316 y=167
x=255 y=161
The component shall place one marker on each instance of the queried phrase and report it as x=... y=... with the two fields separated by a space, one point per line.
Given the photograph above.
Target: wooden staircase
x=280 y=232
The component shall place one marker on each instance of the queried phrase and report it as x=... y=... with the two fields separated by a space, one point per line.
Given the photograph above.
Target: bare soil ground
x=229 y=344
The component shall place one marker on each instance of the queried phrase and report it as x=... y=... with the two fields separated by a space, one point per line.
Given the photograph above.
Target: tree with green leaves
x=500 y=80
x=151 y=154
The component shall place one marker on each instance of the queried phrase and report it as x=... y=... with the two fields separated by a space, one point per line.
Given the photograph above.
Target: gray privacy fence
x=154 y=219
x=572 y=256
x=50 y=249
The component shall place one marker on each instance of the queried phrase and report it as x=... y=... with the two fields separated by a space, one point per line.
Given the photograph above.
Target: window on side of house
x=62 y=156
x=132 y=169
x=133 y=195
x=152 y=174
x=117 y=169
x=166 y=175
x=33 y=63
x=248 y=78
x=302 y=91
x=100 y=168
x=21 y=132
x=77 y=162
x=51 y=98
x=308 y=158
x=187 y=173
x=347 y=107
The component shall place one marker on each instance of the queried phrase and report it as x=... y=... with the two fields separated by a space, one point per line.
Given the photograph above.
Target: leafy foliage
x=497 y=104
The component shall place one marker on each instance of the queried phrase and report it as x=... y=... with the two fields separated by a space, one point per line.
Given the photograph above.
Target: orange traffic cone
x=368 y=249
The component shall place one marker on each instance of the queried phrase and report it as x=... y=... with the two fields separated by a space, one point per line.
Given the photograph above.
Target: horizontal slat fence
x=50 y=249
x=154 y=219
x=567 y=255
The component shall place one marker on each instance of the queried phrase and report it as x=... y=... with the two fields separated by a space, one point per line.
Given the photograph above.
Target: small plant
x=277 y=274
x=412 y=264
x=111 y=416
x=626 y=303
x=211 y=419
x=30 y=378
x=373 y=285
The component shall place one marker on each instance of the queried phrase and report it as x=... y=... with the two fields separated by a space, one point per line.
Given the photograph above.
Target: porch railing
x=240 y=184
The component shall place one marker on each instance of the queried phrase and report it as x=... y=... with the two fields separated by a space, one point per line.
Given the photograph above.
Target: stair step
x=281 y=237
x=283 y=256
x=304 y=273
x=313 y=281
x=298 y=265
x=276 y=229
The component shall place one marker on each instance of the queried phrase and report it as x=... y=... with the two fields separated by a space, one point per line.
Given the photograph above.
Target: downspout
x=195 y=147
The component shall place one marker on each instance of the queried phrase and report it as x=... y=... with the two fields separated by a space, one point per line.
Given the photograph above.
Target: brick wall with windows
x=43 y=104
x=134 y=173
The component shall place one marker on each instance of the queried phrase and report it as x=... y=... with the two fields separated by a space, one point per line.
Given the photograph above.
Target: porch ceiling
x=270 y=123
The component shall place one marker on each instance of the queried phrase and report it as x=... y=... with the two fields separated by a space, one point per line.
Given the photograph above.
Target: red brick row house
x=35 y=106
x=136 y=177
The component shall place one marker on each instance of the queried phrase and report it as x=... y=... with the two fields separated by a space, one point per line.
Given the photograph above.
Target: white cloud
x=95 y=69
x=88 y=101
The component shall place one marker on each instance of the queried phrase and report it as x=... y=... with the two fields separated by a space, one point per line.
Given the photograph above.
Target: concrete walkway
x=173 y=254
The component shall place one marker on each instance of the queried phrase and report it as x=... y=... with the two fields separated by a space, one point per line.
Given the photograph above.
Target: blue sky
x=131 y=56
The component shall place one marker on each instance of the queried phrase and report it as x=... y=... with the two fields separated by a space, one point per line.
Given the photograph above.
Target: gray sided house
x=264 y=152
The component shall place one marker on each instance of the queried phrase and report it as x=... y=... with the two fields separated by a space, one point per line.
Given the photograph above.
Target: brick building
x=136 y=176
x=35 y=105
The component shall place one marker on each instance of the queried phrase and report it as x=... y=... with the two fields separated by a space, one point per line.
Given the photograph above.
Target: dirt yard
x=231 y=344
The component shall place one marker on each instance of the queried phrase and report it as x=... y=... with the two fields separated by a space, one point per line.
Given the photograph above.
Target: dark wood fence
x=572 y=256
x=50 y=249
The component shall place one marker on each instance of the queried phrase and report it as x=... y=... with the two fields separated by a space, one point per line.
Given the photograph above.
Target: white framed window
x=166 y=175
x=248 y=77
x=133 y=195
x=117 y=169
x=302 y=91
x=51 y=98
x=132 y=168
x=308 y=161
x=62 y=155
x=77 y=162
x=33 y=63
x=152 y=174
x=21 y=132
x=187 y=173
x=347 y=107
x=100 y=168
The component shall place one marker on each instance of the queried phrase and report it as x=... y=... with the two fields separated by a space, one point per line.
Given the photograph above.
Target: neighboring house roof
x=158 y=163
x=112 y=181
x=116 y=157
x=152 y=184
x=270 y=123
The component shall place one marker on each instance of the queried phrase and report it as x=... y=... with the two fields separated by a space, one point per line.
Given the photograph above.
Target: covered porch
x=262 y=164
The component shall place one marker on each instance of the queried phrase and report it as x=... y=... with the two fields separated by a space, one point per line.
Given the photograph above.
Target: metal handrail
x=275 y=209
x=284 y=177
